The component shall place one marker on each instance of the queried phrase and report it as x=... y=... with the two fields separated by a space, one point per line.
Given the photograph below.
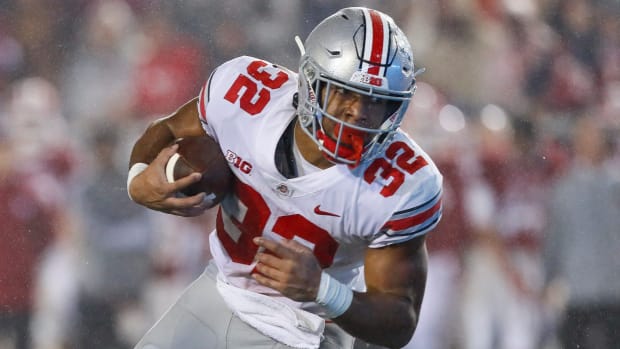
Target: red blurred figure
x=27 y=228
x=36 y=164
x=503 y=277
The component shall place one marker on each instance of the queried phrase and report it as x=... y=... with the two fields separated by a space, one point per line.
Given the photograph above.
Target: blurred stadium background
x=519 y=106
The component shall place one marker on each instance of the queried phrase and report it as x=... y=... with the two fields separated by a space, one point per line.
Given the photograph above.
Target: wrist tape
x=334 y=296
x=135 y=170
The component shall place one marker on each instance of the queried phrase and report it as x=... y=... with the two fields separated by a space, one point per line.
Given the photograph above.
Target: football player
x=322 y=238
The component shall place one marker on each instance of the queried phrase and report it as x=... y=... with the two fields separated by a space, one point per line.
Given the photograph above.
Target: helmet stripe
x=377 y=40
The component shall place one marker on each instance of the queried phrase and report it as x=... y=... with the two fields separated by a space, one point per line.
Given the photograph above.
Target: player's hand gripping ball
x=201 y=154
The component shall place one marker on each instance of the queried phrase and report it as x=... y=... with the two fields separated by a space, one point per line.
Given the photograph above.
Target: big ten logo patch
x=238 y=162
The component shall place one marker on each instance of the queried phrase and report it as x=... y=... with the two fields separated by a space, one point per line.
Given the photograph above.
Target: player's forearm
x=156 y=137
x=161 y=133
x=387 y=314
x=380 y=319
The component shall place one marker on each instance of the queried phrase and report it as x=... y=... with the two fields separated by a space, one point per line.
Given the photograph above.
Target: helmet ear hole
x=295 y=102
x=382 y=138
x=392 y=107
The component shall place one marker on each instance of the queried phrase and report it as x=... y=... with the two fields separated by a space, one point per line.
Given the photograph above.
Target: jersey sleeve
x=212 y=111
x=417 y=213
x=203 y=99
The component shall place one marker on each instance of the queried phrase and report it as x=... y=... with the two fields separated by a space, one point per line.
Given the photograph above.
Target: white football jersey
x=246 y=105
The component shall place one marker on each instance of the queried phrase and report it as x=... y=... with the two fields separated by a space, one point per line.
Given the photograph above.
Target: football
x=201 y=154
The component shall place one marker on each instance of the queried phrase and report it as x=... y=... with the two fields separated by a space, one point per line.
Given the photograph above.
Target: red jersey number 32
x=254 y=99
x=247 y=218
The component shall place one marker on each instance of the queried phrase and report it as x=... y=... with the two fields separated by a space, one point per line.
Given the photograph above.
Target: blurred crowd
x=519 y=106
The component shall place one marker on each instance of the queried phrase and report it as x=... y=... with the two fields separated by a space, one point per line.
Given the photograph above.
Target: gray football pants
x=201 y=320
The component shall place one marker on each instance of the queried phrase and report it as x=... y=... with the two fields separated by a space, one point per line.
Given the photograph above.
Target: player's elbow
x=404 y=335
x=401 y=324
x=400 y=333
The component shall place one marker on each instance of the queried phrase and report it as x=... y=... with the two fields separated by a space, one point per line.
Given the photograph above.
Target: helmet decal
x=366 y=78
x=376 y=45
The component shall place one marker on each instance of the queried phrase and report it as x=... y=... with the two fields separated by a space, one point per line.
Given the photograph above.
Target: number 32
x=248 y=218
x=253 y=100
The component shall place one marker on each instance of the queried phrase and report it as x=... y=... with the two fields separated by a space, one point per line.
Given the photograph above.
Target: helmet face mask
x=358 y=52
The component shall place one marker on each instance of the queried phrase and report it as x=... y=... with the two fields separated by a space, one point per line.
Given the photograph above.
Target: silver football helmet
x=361 y=51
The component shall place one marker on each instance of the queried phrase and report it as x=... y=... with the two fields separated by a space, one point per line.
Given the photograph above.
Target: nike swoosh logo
x=318 y=211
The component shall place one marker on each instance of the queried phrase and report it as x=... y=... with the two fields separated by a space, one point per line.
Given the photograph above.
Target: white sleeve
x=214 y=110
x=417 y=214
x=203 y=100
